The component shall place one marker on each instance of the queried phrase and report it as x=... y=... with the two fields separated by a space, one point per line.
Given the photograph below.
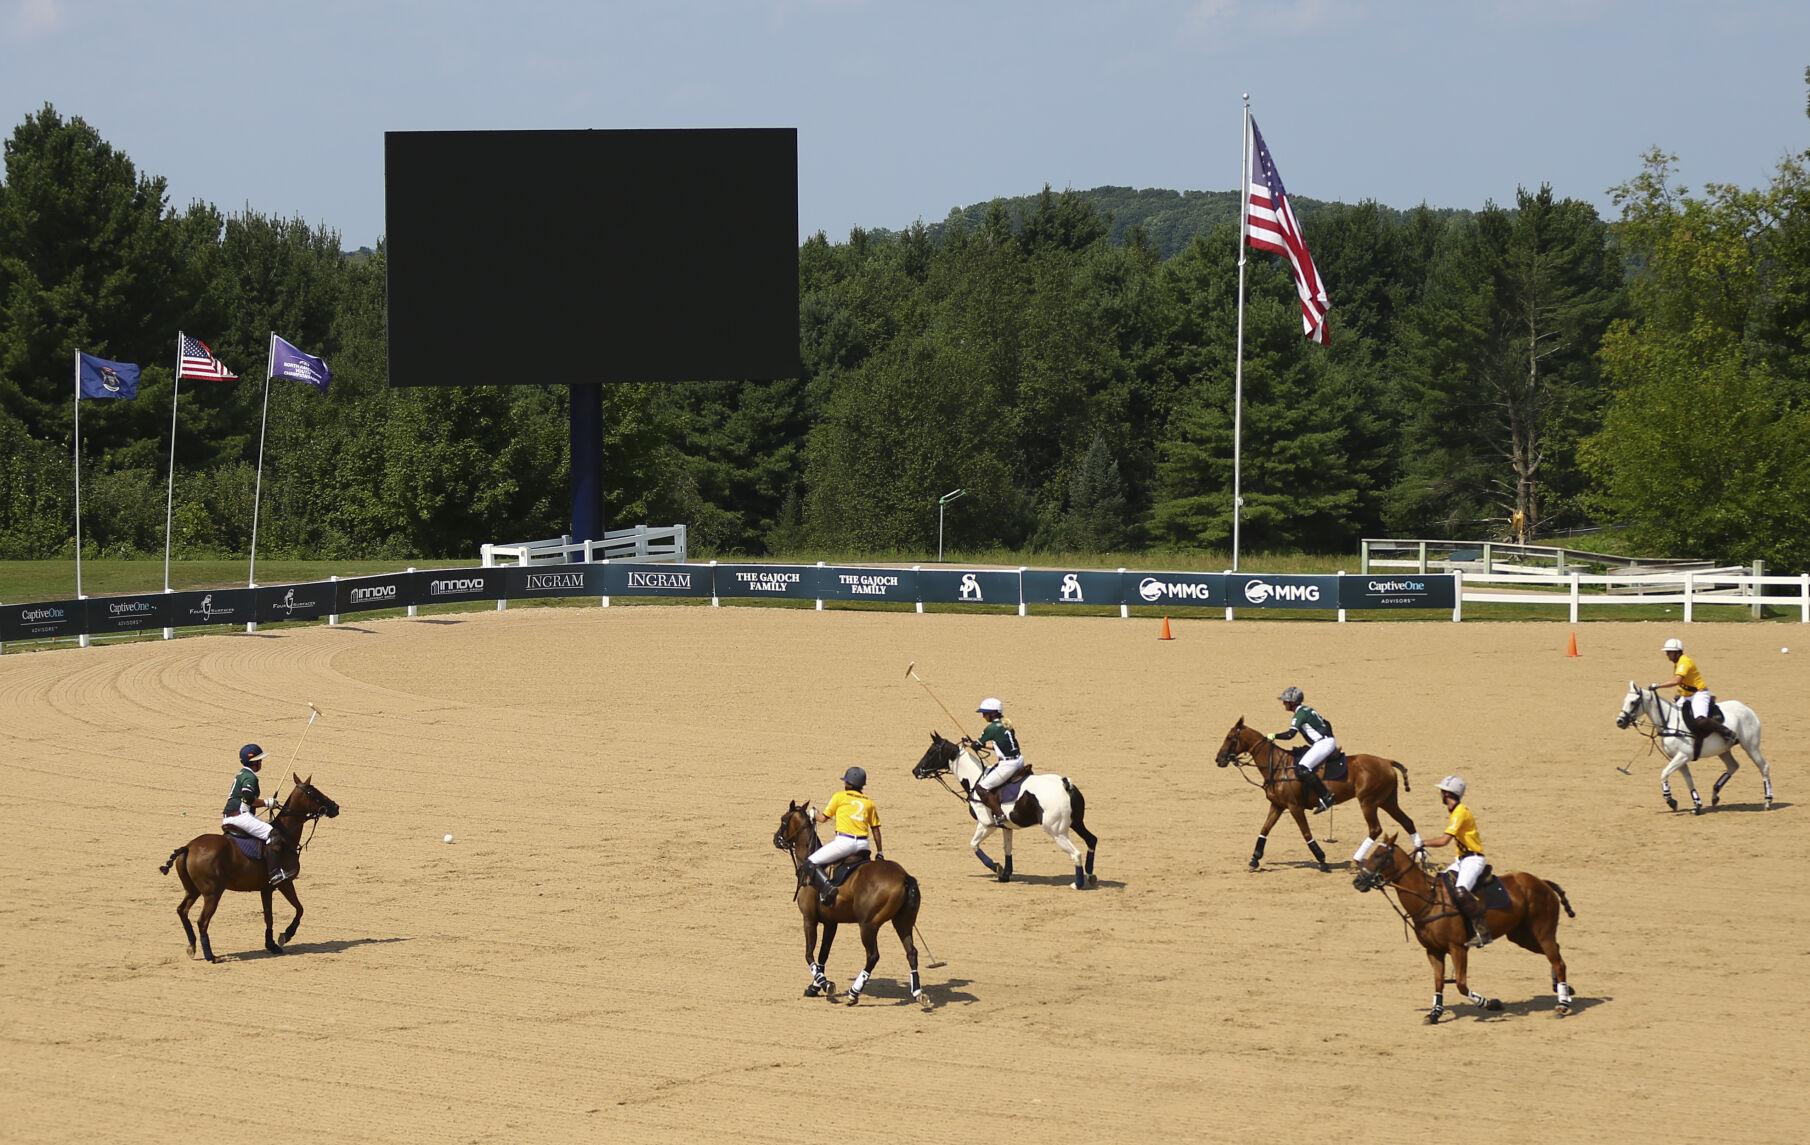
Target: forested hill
x=1168 y=220
x=1650 y=371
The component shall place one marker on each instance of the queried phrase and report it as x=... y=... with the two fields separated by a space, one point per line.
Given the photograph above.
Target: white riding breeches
x=1469 y=869
x=841 y=847
x=1319 y=753
x=248 y=823
x=1002 y=771
x=1698 y=704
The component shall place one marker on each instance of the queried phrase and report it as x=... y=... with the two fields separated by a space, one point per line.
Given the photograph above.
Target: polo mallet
x=935 y=962
x=912 y=671
x=313 y=714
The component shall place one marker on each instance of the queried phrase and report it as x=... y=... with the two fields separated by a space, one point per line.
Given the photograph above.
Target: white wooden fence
x=661 y=544
x=1689 y=590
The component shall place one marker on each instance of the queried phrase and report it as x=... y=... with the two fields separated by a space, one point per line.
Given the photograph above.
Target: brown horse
x=877 y=892
x=1531 y=920
x=211 y=865
x=1370 y=779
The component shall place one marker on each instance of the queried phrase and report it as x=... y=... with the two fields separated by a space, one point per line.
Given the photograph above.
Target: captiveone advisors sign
x=1435 y=590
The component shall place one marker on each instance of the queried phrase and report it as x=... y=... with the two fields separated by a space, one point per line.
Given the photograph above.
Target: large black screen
x=537 y=257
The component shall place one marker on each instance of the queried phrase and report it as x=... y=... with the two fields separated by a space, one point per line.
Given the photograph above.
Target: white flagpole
x=78 y=475
x=1244 y=223
x=258 y=486
x=169 y=495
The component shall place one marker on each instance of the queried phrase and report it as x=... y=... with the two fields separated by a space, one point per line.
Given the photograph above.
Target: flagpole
x=78 y=475
x=169 y=496
x=258 y=486
x=1244 y=223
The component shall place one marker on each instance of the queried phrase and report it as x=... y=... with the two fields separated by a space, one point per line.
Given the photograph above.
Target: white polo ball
x=446 y=839
x=1784 y=650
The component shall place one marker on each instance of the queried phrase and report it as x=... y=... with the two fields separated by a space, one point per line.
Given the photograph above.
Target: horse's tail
x=1077 y=818
x=1563 y=901
x=1404 y=775
x=914 y=898
x=174 y=855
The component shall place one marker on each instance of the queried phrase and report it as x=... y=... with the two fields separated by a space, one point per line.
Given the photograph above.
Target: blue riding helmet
x=855 y=777
x=251 y=753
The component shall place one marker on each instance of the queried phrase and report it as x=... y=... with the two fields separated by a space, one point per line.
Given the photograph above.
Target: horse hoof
x=273 y=948
x=1253 y=864
x=853 y=998
x=1325 y=867
x=1562 y=1011
x=1433 y=1017
x=1093 y=880
x=812 y=991
x=1697 y=809
x=1672 y=803
x=1493 y=1005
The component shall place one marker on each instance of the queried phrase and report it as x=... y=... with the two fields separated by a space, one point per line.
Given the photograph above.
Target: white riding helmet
x=1673 y=645
x=1453 y=786
x=990 y=704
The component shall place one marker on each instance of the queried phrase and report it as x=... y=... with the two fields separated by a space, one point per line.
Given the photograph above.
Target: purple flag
x=288 y=362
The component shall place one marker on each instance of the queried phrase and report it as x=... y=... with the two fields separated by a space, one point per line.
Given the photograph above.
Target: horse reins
x=1278 y=758
x=1385 y=881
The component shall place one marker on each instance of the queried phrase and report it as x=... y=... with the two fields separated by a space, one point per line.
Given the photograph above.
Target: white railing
x=1690 y=590
x=658 y=544
x=1487 y=557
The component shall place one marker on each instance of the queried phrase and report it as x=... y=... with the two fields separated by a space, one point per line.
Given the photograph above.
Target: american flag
x=198 y=362
x=1271 y=226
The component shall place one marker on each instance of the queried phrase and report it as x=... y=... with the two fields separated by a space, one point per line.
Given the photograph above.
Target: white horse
x=1050 y=801
x=1674 y=737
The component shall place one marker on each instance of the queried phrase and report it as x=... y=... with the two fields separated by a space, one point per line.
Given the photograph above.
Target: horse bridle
x=1239 y=759
x=941 y=775
x=310 y=819
x=1659 y=729
x=1380 y=878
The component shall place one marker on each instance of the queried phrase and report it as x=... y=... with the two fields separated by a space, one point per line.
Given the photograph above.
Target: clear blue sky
x=906 y=109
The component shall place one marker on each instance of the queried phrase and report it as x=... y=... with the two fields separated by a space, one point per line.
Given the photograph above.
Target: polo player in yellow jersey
x=855 y=817
x=1694 y=698
x=1467 y=868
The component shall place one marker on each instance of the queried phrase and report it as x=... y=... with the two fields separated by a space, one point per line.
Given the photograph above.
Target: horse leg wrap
x=1565 y=994
x=1090 y=862
x=1080 y=878
x=1257 y=851
x=1318 y=851
x=1438 y=1009
x=986 y=859
x=915 y=988
x=859 y=984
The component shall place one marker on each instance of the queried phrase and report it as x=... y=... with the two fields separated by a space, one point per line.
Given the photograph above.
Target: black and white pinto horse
x=1043 y=799
x=1674 y=736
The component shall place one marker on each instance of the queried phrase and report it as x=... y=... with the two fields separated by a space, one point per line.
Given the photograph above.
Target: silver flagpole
x=251 y=576
x=1244 y=223
x=169 y=495
x=78 y=475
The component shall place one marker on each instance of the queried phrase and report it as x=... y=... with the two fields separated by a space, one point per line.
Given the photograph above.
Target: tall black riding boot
x=1316 y=789
x=273 y=857
x=826 y=890
x=1476 y=914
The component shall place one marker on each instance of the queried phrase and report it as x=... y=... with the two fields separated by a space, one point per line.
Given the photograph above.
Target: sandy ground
x=608 y=950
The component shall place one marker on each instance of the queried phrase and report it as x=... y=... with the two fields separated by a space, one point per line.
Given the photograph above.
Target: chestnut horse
x=1532 y=920
x=211 y=865
x=1370 y=779
x=877 y=892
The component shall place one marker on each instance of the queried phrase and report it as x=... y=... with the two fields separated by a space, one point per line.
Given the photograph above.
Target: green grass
x=55 y=580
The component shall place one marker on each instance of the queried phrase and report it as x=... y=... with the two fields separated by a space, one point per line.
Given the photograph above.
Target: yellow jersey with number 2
x=1690 y=680
x=853 y=812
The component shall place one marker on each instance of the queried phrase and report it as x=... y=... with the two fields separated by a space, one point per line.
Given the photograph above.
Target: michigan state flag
x=99 y=378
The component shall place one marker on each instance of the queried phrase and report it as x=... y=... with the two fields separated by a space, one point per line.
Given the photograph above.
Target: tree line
x=1067 y=358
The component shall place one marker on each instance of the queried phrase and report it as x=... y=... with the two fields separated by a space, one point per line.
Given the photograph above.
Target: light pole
x=940 y=502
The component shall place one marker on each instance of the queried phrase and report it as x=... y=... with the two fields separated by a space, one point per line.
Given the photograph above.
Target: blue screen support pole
x=587 y=464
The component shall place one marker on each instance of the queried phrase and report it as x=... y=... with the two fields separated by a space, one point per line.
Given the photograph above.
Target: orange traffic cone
x=1571 y=649
x=1166 y=634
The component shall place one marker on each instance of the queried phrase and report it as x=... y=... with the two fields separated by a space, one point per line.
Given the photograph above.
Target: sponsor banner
x=943 y=586
x=309 y=601
x=42 y=621
x=624 y=578
x=772 y=581
x=1398 y=590
x=111 y=614
x=369 y=593
x=1276 y=590
x=1176 y=589
x=1042 y=586
x=217 y=606
x=450 y=586
x=897 y=585
x=537 y=581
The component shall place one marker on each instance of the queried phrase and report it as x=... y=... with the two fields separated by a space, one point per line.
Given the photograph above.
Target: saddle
x=249 y=845
x=1335 y=767
x=1491 y=891
x=839 y=873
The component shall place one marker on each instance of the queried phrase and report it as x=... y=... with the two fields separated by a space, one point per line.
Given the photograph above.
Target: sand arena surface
x=608 y=951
